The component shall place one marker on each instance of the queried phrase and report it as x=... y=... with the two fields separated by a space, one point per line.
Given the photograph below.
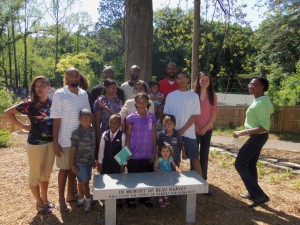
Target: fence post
x=282 y=119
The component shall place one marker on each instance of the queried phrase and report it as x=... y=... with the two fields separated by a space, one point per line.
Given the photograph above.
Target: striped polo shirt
x=66 y=105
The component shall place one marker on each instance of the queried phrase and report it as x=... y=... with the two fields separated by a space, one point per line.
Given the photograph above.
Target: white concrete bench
x=110 y=187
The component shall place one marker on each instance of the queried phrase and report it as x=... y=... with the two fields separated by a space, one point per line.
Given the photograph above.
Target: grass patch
x=212 y=154
x=276 y=178
x=225 y=131
x=4 y=138
x=262 y=170
x=296 y=184
x=294 y=137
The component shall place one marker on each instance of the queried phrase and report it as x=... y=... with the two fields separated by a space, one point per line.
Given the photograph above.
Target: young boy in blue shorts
x=82 y=157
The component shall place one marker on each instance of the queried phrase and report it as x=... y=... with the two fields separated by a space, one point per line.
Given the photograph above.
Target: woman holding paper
x=257 y=125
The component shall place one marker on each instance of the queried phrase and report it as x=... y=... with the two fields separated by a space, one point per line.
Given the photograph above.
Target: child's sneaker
x=161 y=202
x=87 y=205
x=80 y=202
x=166 y=200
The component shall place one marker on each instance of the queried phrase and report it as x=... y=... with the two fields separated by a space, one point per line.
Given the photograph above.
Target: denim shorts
x=191 y=148
x=84 y=174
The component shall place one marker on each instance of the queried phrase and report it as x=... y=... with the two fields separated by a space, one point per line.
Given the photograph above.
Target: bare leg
x=196 y=166
x=62 y=180
x=35 y=190
x=80 y=191
x=86 y=190
x=71 y=183
x=44 y=190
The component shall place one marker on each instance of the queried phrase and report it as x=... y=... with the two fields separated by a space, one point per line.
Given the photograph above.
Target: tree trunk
x=9 y=59
x=196 y=37
x=57 y=78
x=139 y=37
x=15 y=55
x=25 y=83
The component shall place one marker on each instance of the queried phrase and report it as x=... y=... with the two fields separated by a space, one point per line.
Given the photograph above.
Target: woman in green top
x=257 y=125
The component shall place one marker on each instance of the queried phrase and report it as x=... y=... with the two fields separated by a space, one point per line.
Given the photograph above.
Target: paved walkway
x=273 y=144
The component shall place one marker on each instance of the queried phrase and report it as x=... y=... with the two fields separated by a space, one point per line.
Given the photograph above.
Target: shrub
x=4 y=138
x=6 y=99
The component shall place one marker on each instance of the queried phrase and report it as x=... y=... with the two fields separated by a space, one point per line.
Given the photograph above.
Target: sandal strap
x=43 y=209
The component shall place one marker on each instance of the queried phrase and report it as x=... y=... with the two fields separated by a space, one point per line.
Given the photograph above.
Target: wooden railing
x=286 y=119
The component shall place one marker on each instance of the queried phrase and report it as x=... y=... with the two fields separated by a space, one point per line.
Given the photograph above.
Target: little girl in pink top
x=204 y=122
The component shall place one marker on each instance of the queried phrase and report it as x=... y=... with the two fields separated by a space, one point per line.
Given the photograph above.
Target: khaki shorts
x=63 y=161
x=40 y=160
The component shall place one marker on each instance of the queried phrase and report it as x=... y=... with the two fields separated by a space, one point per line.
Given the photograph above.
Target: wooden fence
x=6 y=124
x=286 y=119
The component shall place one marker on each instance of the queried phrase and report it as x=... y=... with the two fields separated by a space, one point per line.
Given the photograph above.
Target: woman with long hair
x=39 y=143
x=205 y=121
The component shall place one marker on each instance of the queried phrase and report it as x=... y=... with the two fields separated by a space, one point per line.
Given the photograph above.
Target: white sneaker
x=87 y=205
x=80 y=202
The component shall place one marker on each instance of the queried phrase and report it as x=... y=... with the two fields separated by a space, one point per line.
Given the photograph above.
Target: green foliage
x=4 y=138
x=284 y=88
x=289 y=93
x=297 y=184
x=6 y=99
x=278 y=41
x=276 y=178
x=79 y=61
x=172 y=39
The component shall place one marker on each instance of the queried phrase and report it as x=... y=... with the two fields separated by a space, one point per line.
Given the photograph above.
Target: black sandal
x=50 y=205
x=43 y=210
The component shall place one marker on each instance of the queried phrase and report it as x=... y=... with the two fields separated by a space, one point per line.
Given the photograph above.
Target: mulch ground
x=223 y=207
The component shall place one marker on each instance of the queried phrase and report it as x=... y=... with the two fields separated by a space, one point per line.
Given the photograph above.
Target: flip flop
x=62 y=207
x=43 y=210
x=50 y=205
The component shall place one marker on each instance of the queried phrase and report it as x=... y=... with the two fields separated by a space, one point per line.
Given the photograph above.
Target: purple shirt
x=141 y=140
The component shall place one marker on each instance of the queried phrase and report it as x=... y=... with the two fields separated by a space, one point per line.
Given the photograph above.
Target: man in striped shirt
x=66 y=105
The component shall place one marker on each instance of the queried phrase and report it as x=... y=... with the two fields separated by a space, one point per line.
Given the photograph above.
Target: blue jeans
x=204 y=142
x=246 y=161
x=84 y=174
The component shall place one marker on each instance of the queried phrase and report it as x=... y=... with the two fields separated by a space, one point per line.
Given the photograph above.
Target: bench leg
x=190 y=209
x=110 y=212
x=187 y=204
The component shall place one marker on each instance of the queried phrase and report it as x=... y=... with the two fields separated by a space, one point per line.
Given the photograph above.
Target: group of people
x=84 y=129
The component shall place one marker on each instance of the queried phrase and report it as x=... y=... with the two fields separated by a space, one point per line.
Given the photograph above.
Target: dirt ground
x=223 y=207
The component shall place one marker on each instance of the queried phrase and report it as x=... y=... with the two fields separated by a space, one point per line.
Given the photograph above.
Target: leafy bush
x=4 y=138
x=6 y=99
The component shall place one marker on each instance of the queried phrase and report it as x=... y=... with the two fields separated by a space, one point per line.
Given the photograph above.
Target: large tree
x=138 y=37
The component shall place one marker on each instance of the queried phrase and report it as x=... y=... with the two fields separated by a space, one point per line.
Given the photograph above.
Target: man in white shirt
x=127 y=87
x=184 y=104
x=66 y=105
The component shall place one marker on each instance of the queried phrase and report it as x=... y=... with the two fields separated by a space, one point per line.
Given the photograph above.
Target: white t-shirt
x=183 y=105
x=128 y=90
x=129 y=107
x=66 y=105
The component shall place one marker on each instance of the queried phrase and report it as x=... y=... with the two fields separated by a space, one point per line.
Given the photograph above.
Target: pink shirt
x=206 y=110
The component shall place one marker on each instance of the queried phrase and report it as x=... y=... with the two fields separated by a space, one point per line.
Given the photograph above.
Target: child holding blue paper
x=112 y=142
